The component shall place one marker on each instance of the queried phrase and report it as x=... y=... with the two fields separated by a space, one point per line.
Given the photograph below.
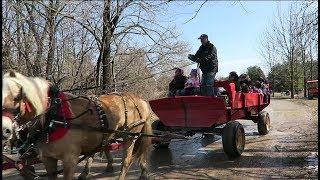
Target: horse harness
x=55 y=103
x=103 y=117
x=52 y=120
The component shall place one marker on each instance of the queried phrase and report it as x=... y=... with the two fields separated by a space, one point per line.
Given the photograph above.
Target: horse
x=19 y=133
x=6 y=131
x=27 y=97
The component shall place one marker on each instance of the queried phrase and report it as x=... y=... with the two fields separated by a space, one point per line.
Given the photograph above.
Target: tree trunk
x=106 y=66
x=106 y=48
x=37 y=61
x=39 y=40
x=291 y=76
x=304 y=74
x=311 y=68
x=274 y=84
x=51 y=24
x=113 y=77
x=98 y=70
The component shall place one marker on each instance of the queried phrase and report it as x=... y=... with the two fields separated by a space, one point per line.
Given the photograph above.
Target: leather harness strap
x=135 y=105
x=103 y=121
x=134 y=124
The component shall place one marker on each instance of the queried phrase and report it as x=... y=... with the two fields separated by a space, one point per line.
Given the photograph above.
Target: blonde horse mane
x=34 y=88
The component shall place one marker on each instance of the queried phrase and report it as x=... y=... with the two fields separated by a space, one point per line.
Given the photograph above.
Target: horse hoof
x=109 y=169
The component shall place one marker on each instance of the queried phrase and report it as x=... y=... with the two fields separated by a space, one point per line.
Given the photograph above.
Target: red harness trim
x=61 y=131
x=26 y=102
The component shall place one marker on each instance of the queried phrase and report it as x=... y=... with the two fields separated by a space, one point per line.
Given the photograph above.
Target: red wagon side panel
x=170 y=111
x=237 y=101
x=201 y=111
x=251 y=99
x=204 y=111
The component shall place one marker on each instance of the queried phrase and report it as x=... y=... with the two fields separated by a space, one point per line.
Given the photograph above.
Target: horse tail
x=143 y=143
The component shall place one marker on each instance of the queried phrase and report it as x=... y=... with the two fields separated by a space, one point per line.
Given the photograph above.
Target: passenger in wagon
x=245 y=81
x=268 y=89
x=233 y=76
x=192 y=86
x=257 y=87
x=177 y=83
x=265 y=90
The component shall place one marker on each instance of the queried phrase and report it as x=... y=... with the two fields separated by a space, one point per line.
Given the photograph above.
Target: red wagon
x=191 y=114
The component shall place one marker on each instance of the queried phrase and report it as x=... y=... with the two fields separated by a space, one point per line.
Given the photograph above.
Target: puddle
x=312 y=161
x=252 y=133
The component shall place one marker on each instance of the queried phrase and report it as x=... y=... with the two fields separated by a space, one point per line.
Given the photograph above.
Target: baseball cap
x=203 y=36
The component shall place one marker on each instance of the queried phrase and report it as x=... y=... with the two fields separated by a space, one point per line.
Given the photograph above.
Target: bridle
x=15 y=113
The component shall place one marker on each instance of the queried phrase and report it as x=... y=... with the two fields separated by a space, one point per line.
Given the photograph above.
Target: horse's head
x=23 y=97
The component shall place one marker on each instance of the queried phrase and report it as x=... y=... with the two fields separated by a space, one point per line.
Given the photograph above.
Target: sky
x=233 y=28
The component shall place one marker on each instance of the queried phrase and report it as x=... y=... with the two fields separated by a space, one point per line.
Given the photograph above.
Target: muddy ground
x=289 y=151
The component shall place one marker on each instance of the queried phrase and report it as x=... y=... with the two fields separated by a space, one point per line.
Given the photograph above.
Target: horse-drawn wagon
x=126 y=116
x=191 y=114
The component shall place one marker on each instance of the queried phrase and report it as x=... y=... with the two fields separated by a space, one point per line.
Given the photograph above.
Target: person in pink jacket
x=192 y=86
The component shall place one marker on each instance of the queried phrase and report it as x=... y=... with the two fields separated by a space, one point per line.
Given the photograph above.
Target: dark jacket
x=237 y=86
x=177 y=83
x=208 y=58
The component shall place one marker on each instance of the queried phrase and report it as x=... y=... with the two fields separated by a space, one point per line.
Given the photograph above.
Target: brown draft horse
x=20 y=91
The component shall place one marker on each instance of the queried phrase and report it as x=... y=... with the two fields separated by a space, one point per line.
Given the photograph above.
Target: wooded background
x=126 y=46
x=289 y=47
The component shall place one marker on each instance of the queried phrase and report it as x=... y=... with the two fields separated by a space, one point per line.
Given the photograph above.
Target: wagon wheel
x=263 y=123
x=233 y=139
x=158 y=125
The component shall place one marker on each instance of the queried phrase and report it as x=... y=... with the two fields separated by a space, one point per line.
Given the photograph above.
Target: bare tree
x=285 y=33
x=291 y=35
x=268 y=52
x=306 y=23
x=123 y=20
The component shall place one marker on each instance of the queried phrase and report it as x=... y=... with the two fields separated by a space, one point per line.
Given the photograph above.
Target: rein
x=96 y=129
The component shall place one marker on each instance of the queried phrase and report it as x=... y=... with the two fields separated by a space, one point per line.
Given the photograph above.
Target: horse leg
x=12 y=139
x=51 y=166
x=110 y=161
x=144 y=170
x=127 y=158
x=87 y=168
x=69 y=166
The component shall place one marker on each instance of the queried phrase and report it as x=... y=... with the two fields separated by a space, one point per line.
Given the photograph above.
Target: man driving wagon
x=206 y=56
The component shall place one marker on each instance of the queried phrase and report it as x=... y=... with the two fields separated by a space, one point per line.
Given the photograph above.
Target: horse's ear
x=21 y=95
x=12 y=73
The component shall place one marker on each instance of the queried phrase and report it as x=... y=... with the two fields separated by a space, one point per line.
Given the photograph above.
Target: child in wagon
x=192 y=86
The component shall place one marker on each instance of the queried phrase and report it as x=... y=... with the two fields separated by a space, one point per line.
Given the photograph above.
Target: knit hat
x=194 y=71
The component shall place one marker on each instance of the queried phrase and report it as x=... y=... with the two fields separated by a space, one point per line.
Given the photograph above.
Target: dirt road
x=289 y=151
